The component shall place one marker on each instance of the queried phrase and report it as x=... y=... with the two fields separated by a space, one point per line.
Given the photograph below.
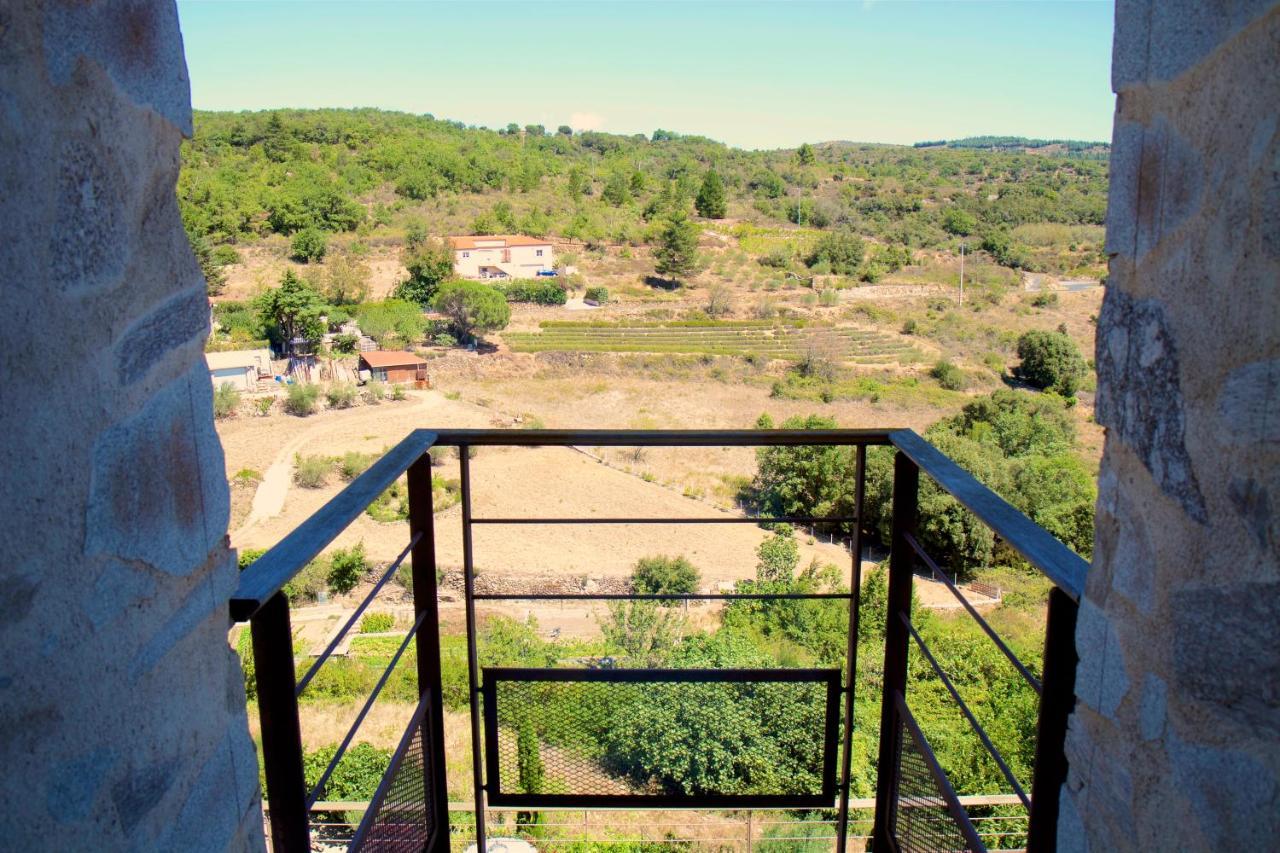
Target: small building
x=502 y=256
x=393 y=366
x=237 y=367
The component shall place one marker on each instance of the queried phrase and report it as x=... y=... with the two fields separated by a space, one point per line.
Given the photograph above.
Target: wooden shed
x=395 y=366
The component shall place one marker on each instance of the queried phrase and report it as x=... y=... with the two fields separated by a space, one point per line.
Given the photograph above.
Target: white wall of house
x=489 y=261
x=240 y=378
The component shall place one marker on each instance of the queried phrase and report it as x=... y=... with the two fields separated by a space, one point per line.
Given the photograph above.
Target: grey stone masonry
x=122 y=715
x=1175 y=742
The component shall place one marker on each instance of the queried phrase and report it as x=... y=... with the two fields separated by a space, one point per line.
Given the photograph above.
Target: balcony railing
x=916 y=807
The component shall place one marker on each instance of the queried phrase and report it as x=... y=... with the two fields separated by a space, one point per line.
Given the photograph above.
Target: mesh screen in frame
x=400 y=819
x=675 y=738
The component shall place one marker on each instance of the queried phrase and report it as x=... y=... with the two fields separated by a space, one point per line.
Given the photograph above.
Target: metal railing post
x=281 y=733
x=473 y=664
x=906 y=483
x=425 y=601
x=851 y=653
x=1056 y=703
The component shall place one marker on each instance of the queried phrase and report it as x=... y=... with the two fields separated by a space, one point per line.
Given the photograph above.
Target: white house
x=502 y=256
x=239 y=367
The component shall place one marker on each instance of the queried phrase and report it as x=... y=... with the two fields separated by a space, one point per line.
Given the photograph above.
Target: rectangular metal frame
x=824 y=799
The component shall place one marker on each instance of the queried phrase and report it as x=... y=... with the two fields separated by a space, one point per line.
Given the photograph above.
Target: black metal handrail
x=260 y=600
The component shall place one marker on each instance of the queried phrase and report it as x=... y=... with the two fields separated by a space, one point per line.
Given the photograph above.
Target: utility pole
x=962 y=248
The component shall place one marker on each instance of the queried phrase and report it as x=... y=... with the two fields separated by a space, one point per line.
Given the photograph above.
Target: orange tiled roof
x=499 y=241
x=391 y=358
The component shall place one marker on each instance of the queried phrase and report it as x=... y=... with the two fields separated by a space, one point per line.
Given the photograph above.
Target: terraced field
x=761 y=339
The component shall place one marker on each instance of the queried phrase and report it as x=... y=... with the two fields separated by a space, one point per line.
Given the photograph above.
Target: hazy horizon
x=875 y=73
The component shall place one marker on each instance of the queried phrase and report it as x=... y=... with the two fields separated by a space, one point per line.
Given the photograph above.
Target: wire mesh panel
x=927 y=817
x=689 y=738
x=400 y=819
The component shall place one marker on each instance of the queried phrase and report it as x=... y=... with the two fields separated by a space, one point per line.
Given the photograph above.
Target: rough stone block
x=1101 y=680
x=1159 y=41
x=157 y=491
x=181 y=320
x=1234 y=796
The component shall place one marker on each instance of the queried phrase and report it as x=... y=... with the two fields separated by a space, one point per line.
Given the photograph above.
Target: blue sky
x=753 y=74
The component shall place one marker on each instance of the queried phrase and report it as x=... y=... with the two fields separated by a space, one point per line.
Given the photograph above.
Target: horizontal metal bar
x=666 y=801
x=1058 y=562
x=857 y=804
x=513 y=673
x=990 y=632
x=355 y=726
x=973 y=721
x=732 y=519
x=368 y=599
x=958 y=813
x=662 y=438
x=658 y=596
x=274 y=569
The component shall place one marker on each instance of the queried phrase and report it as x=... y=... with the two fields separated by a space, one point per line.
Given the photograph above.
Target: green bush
x=263 y=406
x=246 y=477
x=311 y=472
x=662 y=575
x=308 y=245
x=345 y=344
x=392 y=504
x=534 y=291
x=346 y=567
x=225 y=255
x=246 y=556
x=226 y=399
x=375 y=392
x=301 y=399
x=377 y=623
x=1052 y=361
x=597 y=295
x=472 y=308
x=948 y=375
x=341 y=395
x=354 y=463
x=308 y=584
x=397 y=392
x=1045 y=299
x=355 y=778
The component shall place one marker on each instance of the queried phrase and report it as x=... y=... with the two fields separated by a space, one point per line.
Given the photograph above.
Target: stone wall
x=1176 y=742
x=122 y=718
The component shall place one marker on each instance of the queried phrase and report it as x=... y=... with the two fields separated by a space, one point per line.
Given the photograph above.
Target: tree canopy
x=472 y=308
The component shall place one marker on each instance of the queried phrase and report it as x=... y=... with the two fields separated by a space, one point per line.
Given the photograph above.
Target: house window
x=466 y=254
x=539 y=253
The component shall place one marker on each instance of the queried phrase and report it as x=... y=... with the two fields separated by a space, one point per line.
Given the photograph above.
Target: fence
x=915 y=806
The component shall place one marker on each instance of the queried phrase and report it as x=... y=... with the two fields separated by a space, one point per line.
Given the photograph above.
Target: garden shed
x=394 y=366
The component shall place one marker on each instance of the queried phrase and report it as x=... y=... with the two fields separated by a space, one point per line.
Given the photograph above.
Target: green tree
x=346 y=567
x=294 y=310
x=308 y=245
x=711 y=203
x=778 y=556
x=641 y=631
x=805 y=481
x=805 y=155
x=346 y=280
x=392 y=322
x=472 y=308
x=215 y=278
x=616 y=191
x=677 y=249
x=530 y=771
x=663 y=575
x=429 y=263
x=1051 y=360
x=841 y=250
x=958 y=221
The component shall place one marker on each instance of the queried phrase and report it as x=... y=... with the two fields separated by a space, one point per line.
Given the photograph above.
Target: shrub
x=346 y=567
x=246 y=557
x=357 y=775
x=263 y=405
x=1052 y=361
x=1045 y=299
x=842 y=251
x=948 y=375
x=311 y=472
x=391 y=505
x=719 y=301
x=301 y=400
x=444 y=339
x=377 y=623
x=308 y=245
x=353 y=464
x=225 y=401
x=397 y=392
x=534 y=291
x=224 y=255
x=247 y=477
x=663 y=575
x=307 y=584
x=596 y=295
x=345 y=344
x=341 y=396
x=375 y=392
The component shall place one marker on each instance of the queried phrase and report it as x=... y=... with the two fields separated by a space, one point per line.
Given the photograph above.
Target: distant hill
x=1071 y=147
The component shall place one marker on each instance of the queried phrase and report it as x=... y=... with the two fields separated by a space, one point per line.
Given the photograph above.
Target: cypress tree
x=711 y=202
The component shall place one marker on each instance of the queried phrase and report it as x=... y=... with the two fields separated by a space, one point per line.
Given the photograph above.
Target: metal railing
x=260 y=600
